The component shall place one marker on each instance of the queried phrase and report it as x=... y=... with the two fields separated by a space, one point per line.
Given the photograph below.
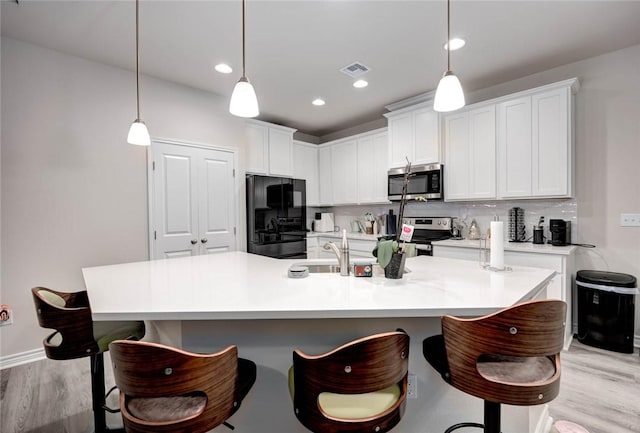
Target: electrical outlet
x=630 y=219
x=6 y=315
x=412 y=386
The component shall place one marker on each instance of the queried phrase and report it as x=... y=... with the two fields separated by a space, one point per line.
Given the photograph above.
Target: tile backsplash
x=482 y=211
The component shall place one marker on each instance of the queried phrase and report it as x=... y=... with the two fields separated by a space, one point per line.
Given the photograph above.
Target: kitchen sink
x=323 y=268
x=334 y=268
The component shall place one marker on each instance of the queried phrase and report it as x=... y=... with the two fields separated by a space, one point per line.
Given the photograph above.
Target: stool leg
x=491 y=417
x=97 y=393
x=98 y=396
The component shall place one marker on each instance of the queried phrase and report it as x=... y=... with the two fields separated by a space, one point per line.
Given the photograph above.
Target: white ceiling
x=295 y=49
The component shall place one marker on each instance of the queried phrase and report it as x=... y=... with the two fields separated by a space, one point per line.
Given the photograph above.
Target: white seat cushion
x=357 y=406
x=354 y=406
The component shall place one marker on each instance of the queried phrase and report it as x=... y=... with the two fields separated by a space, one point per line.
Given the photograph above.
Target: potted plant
x=389 y=253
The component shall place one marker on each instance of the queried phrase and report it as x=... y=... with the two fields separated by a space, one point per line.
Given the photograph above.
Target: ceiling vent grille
x=355 y=69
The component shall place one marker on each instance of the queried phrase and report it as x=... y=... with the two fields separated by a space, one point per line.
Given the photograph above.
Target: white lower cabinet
x=312 y=247
x=560 y=286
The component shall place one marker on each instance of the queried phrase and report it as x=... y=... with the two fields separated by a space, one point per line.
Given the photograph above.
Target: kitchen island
x=204 y=303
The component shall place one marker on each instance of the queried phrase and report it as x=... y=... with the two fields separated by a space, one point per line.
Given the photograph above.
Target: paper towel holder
x=482 y=258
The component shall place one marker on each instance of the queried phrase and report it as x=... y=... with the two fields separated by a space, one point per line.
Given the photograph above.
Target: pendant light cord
x=243 y=56
x=137 y=65
x=448 y=36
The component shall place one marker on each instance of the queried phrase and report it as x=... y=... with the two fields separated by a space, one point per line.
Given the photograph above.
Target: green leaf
x=385 y=250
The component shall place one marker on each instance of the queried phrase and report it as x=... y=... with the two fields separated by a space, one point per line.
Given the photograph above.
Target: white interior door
x=192 y=209
x=217 y=202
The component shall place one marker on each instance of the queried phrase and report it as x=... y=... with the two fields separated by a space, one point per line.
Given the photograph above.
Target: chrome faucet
x=342 y=254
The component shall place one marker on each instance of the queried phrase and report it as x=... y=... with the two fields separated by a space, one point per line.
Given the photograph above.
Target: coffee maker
x=323 y=222
x=560 y=232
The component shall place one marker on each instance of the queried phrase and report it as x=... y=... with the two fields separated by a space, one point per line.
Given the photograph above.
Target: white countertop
x=525 y=247
x=238 y=285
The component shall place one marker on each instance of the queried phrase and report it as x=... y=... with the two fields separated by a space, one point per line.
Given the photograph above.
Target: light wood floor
x=600 y=390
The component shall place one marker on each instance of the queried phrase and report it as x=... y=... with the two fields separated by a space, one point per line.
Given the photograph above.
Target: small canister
x=362 y=269
x=538 y=235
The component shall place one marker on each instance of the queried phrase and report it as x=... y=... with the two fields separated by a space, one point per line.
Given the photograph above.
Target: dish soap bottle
x=474 y=231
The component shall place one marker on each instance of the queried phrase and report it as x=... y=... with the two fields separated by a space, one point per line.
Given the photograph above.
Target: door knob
x=194 y=241
x=203 y=240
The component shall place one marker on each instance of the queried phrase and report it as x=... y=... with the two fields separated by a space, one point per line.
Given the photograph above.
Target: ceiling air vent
x=355 y=69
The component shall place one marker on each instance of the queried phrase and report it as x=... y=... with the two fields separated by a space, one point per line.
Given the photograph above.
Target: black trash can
x=606 y=309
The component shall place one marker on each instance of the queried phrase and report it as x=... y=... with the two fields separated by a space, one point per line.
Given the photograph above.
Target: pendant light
x=449 y=94
x=138 y=133
x=244 y=102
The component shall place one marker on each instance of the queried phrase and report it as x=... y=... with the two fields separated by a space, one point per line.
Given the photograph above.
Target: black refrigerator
x=276 y=217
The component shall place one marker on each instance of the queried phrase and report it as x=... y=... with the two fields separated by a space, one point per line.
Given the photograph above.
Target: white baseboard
x=636 y=341
x=21 y=358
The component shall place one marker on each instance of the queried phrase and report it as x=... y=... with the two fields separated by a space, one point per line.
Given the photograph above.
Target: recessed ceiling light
x=318 y=102
x=223 y=68
x=360 y=84
x=456 y=44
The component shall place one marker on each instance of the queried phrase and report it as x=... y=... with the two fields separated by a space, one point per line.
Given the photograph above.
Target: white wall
x=74 y=193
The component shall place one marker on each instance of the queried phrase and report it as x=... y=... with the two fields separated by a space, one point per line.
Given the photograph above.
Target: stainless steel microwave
x=424 y=181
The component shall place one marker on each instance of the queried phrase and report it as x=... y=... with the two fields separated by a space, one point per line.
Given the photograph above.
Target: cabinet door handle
x=194 y=241
x=203 y=240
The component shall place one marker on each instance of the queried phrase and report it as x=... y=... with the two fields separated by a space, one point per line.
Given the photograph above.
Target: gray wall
x=74 y=193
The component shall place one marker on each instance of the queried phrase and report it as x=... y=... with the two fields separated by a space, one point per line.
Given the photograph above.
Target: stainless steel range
x=428 y=229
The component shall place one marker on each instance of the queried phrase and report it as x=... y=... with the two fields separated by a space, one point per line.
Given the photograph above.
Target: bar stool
x=168 y=390
x=77 y=336
x=511 y=357
x=358 y=387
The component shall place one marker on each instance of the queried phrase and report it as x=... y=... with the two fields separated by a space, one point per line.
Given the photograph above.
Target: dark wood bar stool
x=358 y=387
x=508 y=357
x=168 y=390
x=77 y=336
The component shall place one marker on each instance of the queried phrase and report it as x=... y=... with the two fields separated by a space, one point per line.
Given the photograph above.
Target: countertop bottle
x=474 y=231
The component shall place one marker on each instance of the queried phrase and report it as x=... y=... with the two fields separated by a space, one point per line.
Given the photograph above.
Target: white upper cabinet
x=353 y=170
x=414 y=135
x=372 y=168
x=551 y=144
x=269 y=149
x=535 y=144
x=344 y=157
x=325 y=174
x=470 y=152
x=257 y=149
x=305 y=166
x=516 y=146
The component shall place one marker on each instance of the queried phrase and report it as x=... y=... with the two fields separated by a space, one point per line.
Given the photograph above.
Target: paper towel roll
x=497 y=245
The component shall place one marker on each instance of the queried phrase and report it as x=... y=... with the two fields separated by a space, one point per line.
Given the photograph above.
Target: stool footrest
x=463 y=424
